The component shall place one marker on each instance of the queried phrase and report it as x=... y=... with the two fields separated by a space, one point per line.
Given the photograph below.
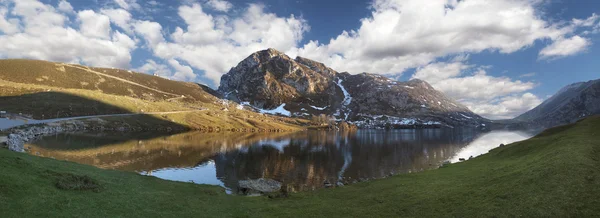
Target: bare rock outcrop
x=269 y=79
x=258 y=186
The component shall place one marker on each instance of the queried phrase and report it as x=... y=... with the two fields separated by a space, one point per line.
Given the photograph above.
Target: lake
x=301 y=161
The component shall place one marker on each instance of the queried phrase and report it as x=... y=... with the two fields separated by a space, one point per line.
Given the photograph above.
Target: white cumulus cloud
x=8 y=26
x=182 y=72
x=128 y=4
x=219 y=5
x=489 y=96
x=94 y=25
x=120 y=18
x=565 y=47
x=214 y=44
x=506 y=107
x=42 y=32
x=404 y=34
x=65 y=6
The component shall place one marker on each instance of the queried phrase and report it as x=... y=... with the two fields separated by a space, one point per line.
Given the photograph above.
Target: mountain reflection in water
x=301 y=161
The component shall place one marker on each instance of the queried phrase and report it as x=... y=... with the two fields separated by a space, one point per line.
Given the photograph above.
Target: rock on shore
x=17 y=139
x=258 y=186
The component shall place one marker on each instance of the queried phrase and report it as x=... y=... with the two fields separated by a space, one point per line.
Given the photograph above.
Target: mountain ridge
x=270 y=82
x=268 y=79
x=571 y=103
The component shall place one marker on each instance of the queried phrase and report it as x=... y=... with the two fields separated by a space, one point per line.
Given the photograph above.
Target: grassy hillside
x=554 y=174
x=45 y=90
x=99 y=79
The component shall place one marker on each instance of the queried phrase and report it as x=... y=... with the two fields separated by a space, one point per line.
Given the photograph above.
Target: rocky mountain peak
x=420 y=83
x=269 y=80
x=261 y=57
x=272 y=53
x=316 y=66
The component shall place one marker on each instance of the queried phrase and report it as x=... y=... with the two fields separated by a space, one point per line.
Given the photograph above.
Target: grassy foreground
x=554 y=174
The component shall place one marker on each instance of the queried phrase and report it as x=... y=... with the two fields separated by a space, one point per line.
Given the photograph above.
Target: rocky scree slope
x=269 y=79
x=571 y=103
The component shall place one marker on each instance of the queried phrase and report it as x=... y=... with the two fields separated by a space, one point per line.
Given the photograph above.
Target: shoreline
x=486 y=186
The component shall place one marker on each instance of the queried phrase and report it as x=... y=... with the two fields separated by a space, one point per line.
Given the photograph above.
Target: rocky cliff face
x=568 y=105
x=269 y=80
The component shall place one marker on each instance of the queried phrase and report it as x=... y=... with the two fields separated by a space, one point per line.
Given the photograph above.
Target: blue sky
x=498 y=57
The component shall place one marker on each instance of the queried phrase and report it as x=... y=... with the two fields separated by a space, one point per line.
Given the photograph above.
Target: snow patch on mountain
x=347 y=100
x=347 y=97
x=319 y=108
x=465 y=116
x=279 y=110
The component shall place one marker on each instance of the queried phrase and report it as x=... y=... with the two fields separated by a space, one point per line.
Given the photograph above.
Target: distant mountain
x=570 y=104
x=269 y=80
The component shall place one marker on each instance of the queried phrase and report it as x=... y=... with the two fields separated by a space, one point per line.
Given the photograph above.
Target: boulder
x=17 y=139
x=16 y=143
x=258 y=186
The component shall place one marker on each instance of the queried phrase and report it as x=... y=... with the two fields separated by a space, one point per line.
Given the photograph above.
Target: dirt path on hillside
x=11 y=123
x=176 y=98
x=120 y=79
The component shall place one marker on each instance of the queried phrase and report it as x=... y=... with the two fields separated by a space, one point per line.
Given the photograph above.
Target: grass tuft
x=67 y=181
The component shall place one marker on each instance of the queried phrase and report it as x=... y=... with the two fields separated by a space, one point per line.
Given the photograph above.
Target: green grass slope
x=554 y=174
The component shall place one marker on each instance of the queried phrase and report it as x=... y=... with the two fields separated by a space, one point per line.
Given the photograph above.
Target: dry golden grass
x=46 y=90
x=103 y=80
x=46 y=102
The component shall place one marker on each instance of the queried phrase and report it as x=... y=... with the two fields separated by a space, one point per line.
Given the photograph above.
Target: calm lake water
x=302 y=161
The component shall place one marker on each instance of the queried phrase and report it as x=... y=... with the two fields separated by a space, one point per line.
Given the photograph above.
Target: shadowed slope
x=44 y=106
